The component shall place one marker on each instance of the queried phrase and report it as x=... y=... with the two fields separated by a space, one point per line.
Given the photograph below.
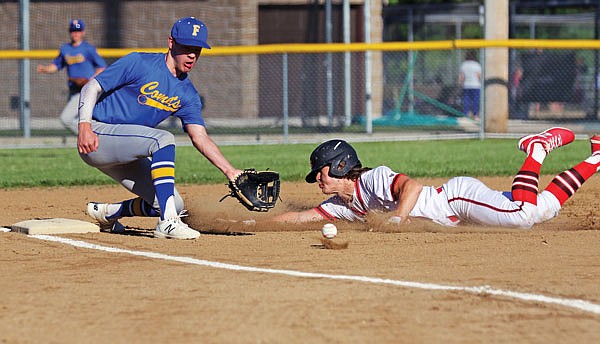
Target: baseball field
x=267 y=283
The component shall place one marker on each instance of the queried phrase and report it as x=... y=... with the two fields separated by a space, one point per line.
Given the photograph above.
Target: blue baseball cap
x=76 y=25
x=190 y=31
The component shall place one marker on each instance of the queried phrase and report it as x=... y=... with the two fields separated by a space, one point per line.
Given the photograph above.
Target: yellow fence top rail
x=334 y=48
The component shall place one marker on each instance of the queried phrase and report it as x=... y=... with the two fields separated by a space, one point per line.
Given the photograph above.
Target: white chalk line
x=480 y=290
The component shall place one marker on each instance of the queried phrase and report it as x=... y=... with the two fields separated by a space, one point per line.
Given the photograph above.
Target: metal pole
x=328 y=39
x=411 y=62
x=347 y=62
x=458 y=35
x=594 y=114
x=25 y=77
x=482 y=99
x=286 y=134
x=513 y=111
x=532 y=29
x=496 y=67
x=368 y=110
x=482 y=58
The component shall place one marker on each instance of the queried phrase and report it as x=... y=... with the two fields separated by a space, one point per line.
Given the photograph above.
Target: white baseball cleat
x=550 y=139
x=98 y=211
x=174 y=228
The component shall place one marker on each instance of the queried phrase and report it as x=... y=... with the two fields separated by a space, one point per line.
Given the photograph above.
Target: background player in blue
x=82 y=62
x=119 y=111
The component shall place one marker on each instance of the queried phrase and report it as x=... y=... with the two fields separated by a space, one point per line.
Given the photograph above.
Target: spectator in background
x=518 y=108
x=579 y=87
x=82 y=62
x=469 y=79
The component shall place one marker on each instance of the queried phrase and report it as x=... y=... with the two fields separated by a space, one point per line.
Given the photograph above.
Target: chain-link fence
x=252 y=94
x=300 y=96
x=556 y=85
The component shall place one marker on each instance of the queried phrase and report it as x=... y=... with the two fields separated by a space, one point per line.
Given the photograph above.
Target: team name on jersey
x=74 y=59
x=152 y=97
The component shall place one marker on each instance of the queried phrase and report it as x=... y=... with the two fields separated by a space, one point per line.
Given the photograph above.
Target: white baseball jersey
x=460 y=199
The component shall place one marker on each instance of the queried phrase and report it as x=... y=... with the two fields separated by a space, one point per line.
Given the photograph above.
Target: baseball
x=329 y=230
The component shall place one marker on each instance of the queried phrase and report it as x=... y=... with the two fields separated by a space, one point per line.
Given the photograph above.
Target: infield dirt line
x=479 y=290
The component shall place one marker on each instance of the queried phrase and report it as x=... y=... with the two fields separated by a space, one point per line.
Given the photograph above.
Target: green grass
x=492 y=157
x=215 y=131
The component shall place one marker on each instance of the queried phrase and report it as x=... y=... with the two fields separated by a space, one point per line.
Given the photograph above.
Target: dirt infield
x=56 y=292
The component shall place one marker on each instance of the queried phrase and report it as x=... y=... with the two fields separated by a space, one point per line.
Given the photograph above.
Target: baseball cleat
x=550 y=139
x=595 y=141
x=98 y=211
x=174 y=228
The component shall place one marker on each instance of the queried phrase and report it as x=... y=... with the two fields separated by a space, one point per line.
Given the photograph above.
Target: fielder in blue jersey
x=82 y=62
x=118 y=114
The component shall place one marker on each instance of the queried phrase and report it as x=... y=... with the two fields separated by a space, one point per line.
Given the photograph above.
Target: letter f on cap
x=196 y=30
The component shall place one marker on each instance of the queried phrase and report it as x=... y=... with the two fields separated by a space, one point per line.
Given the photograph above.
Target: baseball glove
x=255 y=190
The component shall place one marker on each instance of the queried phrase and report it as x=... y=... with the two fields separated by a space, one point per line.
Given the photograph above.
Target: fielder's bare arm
x=119 y=113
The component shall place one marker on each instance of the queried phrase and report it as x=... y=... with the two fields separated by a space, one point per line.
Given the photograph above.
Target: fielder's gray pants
x=69 y=116
x=124 y=154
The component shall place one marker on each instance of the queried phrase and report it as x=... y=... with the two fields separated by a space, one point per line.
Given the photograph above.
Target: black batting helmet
x=338 y=154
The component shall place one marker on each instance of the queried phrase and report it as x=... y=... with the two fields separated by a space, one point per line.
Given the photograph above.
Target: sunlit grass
x=491 y=157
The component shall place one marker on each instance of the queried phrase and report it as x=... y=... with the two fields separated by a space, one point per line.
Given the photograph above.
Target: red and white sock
x=525 y=184
x=568 y=182
x=595 y=141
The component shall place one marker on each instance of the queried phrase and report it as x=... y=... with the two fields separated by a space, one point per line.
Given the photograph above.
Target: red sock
x=525 y=184
x=565 y=184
